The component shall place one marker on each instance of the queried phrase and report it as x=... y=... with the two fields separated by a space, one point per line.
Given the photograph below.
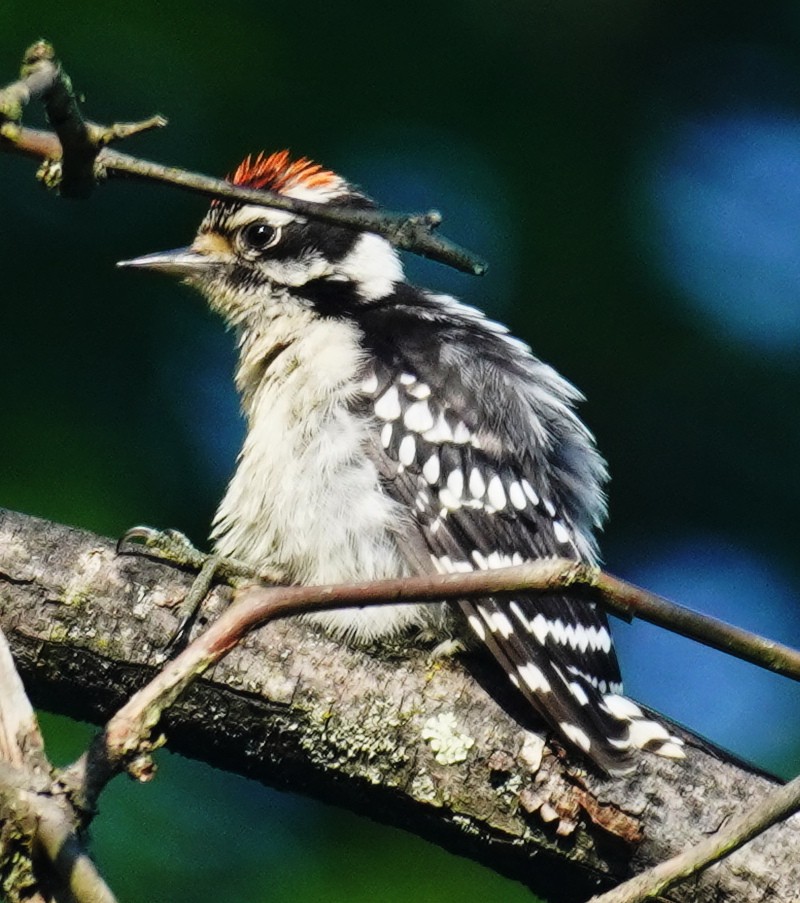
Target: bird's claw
x=171 y=545
x=174 y=547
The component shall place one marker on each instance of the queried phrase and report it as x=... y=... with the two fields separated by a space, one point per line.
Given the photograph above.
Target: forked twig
x=80 y=147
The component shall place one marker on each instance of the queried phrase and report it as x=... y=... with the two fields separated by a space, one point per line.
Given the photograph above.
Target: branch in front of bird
x=77 y=158
x=623 y=599
x=126 y=741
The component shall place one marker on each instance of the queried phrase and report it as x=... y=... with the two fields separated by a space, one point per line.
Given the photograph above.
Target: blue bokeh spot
x=723 y=222
x=737 y=705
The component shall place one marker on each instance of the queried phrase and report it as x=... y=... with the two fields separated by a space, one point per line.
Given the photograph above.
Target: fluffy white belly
x=305 y=497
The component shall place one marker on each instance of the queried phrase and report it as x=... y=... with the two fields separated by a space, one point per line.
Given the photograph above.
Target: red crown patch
x=278 y=172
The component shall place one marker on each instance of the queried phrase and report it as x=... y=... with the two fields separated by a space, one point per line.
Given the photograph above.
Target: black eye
x=259 y=236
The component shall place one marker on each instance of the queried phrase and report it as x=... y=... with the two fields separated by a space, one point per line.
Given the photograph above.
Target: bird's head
x=246 y=257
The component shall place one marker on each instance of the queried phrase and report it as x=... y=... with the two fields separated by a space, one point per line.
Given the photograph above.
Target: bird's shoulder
x=449 y=386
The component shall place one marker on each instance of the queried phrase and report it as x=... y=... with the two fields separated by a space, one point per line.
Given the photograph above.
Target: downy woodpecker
x=392 y=430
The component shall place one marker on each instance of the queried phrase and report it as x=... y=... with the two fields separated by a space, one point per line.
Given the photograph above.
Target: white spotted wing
x=492 y=488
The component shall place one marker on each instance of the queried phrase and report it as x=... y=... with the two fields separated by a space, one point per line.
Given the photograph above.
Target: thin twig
x=103 y=135
x=38 y=75
x=629 y=601
x=42 y=77
x=35 y=143
x=63 y=112
x=410 y=232
x=81 y=146
x=777 y=807
x=621 y=598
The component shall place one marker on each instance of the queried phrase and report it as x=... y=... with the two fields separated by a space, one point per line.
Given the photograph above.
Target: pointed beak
x=184 y=262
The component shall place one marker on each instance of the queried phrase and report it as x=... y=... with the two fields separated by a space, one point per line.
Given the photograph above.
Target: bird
x=392 y=430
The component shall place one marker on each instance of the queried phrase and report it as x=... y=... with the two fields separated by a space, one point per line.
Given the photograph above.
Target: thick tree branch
x=127 y=736
x=779 y=805
x=409 y=742
x=21 y=741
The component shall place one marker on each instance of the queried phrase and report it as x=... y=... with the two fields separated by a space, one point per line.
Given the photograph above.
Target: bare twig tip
x=433 y=219
x=38 y=51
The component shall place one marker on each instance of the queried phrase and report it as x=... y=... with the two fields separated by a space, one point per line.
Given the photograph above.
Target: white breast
x=305 y=497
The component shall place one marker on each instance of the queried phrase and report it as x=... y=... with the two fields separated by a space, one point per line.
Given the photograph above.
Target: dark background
x=631 y=170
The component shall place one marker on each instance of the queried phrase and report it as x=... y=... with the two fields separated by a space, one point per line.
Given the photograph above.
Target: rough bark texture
x=406 y=742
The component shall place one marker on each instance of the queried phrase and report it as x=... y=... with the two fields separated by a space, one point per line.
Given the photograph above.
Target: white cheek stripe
x=373 y=265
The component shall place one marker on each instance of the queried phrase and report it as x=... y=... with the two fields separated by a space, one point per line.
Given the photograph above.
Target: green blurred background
x=631 y=170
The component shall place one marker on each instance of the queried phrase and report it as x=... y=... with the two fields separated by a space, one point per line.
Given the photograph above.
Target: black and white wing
x=479 y=441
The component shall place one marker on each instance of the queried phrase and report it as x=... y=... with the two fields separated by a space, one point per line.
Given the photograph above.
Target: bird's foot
x=176 y=548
